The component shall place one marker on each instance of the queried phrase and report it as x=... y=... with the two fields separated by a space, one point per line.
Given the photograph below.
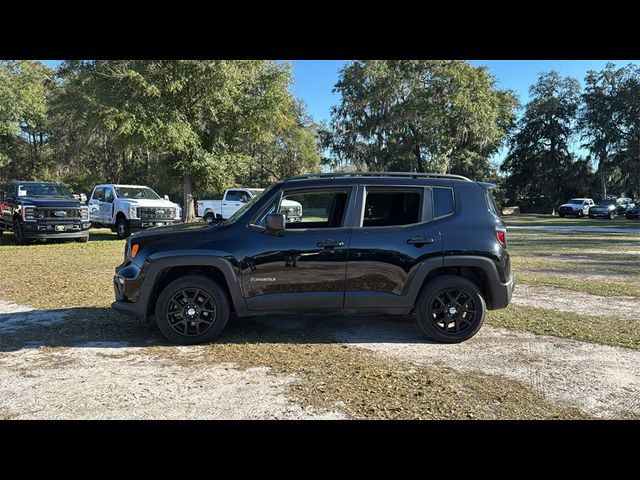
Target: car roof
x=121 y=185
x=374 y=178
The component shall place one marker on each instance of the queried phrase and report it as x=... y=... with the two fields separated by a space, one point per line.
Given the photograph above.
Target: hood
x=603 y=207
x=571 y=205
x=53 y=202
x=157 y=232
x=142 y=202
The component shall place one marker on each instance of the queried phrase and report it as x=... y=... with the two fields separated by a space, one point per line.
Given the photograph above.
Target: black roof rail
x=378 y=174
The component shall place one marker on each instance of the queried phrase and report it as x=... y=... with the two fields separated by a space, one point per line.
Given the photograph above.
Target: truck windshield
x=43 y=190
x=136 y=192
x=233 y=218
x=576 y=201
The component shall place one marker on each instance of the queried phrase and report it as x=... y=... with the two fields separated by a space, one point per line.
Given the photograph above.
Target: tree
x=440 y=116
x=198 y=119
x=26 y=87
x=540 y=162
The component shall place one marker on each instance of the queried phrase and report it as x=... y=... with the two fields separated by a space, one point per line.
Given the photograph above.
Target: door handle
x=419 y=241
x=330 y=243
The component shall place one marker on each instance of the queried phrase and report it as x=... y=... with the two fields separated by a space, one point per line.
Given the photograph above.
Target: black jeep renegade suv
x=390 y=242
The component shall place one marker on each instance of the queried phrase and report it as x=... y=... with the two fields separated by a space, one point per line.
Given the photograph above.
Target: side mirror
x=166 y=197
x=275 y=222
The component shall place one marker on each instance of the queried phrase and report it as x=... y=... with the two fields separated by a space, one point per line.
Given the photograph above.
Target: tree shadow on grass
x=105 y=328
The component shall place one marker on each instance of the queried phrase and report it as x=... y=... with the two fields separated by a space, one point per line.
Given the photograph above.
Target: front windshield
x=608 y=201
x=43 y=190
x=576 y=200
x=233 y=218
x=137 y=192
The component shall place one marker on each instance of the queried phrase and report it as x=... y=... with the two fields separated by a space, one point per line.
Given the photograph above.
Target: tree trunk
x=188 y=212
x=416 y=152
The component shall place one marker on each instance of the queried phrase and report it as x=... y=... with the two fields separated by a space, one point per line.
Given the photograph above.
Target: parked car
x=633 y=212
x=576 y=206
x=128 y=208
x=395 y=243
x=610 y=207
x=48 y=210
x=234 y=199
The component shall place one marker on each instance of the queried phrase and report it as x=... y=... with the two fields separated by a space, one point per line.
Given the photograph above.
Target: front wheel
x=122 y=228
x=192 y=309
x=612 y=214
x=450 y=309
x=18 y=232
x=562 y=215
x=82 y=239
x=580 y=214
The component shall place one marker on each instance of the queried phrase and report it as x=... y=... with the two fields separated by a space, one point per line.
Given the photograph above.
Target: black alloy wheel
x=18 y=232
x=450 y=309
x=192 y=309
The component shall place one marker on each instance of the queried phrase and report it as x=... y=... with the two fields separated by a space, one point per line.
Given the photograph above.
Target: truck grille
x=150 y=213
x=59 y=213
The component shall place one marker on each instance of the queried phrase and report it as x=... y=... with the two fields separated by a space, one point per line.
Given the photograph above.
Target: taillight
x=501 y=235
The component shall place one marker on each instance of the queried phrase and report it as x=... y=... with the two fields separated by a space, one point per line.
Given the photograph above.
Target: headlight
x=133 y=212
x=84 y=213
x=29 y=214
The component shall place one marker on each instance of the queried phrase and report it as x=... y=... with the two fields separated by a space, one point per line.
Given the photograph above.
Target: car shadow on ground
x=105 y=328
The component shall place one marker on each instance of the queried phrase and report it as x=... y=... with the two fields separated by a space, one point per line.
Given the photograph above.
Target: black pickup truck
x=42 y=210
x=428 y=244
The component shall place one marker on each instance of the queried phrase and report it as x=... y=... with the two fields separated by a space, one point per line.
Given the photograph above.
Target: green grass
x=594 y=287
x=529 y=219
x=553 y=266
x=606 y=330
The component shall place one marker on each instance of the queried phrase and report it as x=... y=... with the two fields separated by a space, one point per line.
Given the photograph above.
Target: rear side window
x=493 y=206
x=389 y=208
x=442 y=201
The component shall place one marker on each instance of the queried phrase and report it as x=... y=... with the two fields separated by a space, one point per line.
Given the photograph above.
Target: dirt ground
x=117 y=380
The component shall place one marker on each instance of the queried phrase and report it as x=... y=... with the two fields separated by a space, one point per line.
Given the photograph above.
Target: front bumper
x=127 y=286
x=140 y=224
x=598 y=214
x=500 y=293
x=568 y=211
x=56 y=229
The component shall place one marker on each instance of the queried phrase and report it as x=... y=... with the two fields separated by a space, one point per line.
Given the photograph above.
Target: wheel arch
x=166 y=268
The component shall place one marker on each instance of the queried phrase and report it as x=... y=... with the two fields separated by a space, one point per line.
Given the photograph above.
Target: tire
x=612 y=214
x=18 y=233
x=591 y=216
x=561 y=215
x=209 y=217
x=82 y=239
x=193 y=292
x=580 y=214
x=122 y=228
x=450 y=327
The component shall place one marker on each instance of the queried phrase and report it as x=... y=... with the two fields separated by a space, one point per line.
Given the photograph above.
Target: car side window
x=234 y=195
x=313 y=209
x=385 y=208
x=443 y=202
x=98 y=194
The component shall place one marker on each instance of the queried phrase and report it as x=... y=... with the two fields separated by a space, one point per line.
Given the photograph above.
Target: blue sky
x=314 y=79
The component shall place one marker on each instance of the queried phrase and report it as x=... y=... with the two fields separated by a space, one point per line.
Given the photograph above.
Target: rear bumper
x=500 y=294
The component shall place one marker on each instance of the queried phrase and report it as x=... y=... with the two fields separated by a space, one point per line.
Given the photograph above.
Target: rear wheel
x=192 y=309
x=122 y=228
x=18 y=232
x=450 y=309
x=209 y=217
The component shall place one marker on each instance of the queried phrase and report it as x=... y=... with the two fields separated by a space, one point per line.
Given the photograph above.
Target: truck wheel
x=18 y=232
x=580 y=214
x=192 y=309
x=122 y=228
x=82 y=239
x=450 y=309
x=209 y=217
x=612 y=214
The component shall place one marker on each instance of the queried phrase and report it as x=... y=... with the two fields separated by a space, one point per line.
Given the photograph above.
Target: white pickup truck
x=234 y=198
x=124 y=208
